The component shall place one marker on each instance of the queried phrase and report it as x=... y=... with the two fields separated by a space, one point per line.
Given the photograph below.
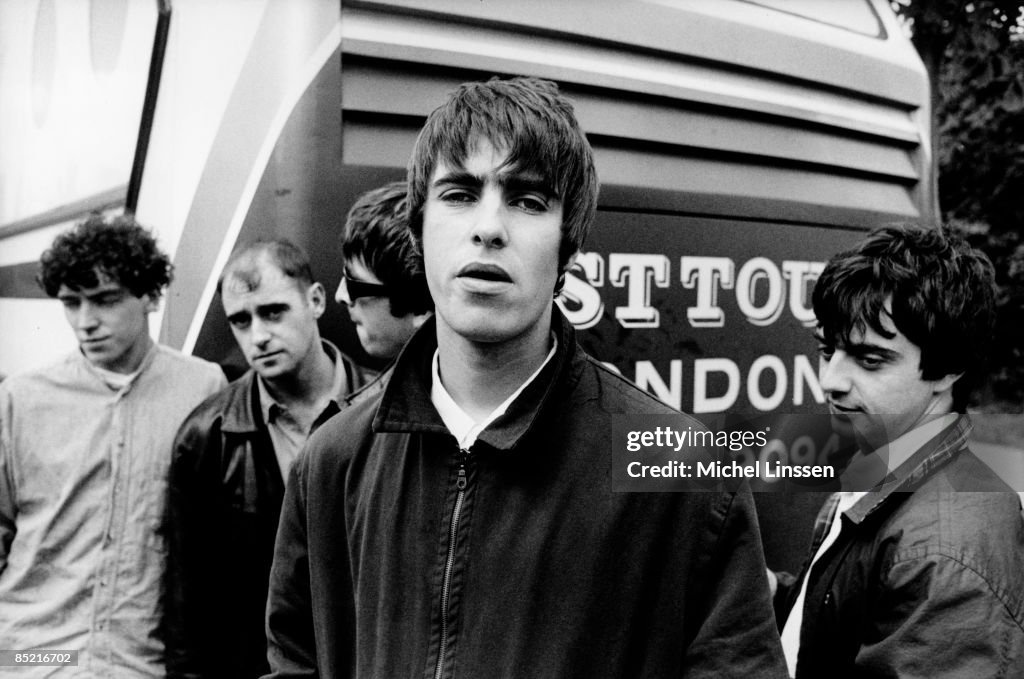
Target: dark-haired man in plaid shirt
x=916 y=569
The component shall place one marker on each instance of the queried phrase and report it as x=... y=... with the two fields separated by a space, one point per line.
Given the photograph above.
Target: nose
x=85 y=317
x=260 y=332
x=355 y=311
x=490 y=228
x=341 y=294
x=833 y=374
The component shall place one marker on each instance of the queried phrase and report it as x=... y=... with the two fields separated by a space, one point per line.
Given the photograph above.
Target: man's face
x=275 y=323
x=110 y=323
x=874 y=388
x=382 y=334
x=490 y=247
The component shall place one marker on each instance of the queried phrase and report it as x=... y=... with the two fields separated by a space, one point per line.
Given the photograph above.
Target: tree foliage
x=974 y=53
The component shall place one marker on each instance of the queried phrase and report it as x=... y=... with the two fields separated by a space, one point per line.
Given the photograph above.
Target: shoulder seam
x=941 y=551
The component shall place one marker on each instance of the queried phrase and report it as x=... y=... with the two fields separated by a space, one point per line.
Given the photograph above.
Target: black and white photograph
x=511 y=339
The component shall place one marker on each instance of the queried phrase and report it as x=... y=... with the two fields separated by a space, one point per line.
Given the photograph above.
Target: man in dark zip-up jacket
x=461 y=522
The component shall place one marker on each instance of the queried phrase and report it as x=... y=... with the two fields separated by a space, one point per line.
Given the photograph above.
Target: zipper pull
x=461 y=482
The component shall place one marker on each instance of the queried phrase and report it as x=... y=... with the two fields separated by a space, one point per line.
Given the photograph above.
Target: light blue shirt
x=83 y=479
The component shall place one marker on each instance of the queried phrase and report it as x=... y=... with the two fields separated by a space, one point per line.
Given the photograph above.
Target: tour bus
x=739 y=143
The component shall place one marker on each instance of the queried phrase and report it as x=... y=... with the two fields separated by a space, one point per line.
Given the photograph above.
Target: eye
x=239 y=323
x=871 y=362
x=826 y=351
x=530 y=203
x=457 y=195
x=70 y=304
x=274 y=315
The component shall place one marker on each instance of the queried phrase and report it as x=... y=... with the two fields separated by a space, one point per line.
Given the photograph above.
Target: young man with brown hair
x=383 y=286
x=461 y=522
x=918 y=570
x=85 y=447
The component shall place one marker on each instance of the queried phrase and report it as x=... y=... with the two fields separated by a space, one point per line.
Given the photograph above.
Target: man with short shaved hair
x=233 y=454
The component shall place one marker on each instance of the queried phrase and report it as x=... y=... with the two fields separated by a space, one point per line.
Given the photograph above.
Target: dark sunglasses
x=357 y=288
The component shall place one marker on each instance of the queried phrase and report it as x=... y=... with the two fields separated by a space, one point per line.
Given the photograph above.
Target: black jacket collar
x=406 y=404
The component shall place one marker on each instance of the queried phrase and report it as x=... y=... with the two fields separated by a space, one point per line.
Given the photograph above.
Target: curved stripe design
x=290 y=47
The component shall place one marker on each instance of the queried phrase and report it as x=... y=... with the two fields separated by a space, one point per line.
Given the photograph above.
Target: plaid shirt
x=909 y=476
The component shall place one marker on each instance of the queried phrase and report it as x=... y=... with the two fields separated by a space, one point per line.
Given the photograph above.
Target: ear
x=420 y=319
x=560 y=281
x=152 y=302
x=316 y=297
x=945 y=384
x=570 y=262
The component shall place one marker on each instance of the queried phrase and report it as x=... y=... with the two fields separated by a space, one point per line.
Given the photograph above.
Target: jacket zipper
x=449 y=564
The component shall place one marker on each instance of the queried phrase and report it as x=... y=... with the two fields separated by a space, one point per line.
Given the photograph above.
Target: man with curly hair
x=916 y=569
x=85 y=446
x=383 y=286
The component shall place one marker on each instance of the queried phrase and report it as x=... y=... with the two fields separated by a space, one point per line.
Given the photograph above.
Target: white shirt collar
x=459 y=423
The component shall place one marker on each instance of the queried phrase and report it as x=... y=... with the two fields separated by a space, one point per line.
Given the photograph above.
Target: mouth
x=480 y=271
x=842 y=410
x=268 y=355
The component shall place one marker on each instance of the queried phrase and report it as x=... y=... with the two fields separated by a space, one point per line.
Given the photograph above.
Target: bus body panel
x=729 y=173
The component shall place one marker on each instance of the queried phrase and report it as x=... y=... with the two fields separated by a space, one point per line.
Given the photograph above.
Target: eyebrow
x=261 y=310
x=530 y=183
x=516 y=181
x=858 y=349
x=458 y=178
x=862 y=348
x=273 y=307
x=101 y=294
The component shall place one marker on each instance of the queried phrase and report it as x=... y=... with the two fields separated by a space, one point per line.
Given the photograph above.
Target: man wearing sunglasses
x=384 y=287
x=231 y=458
